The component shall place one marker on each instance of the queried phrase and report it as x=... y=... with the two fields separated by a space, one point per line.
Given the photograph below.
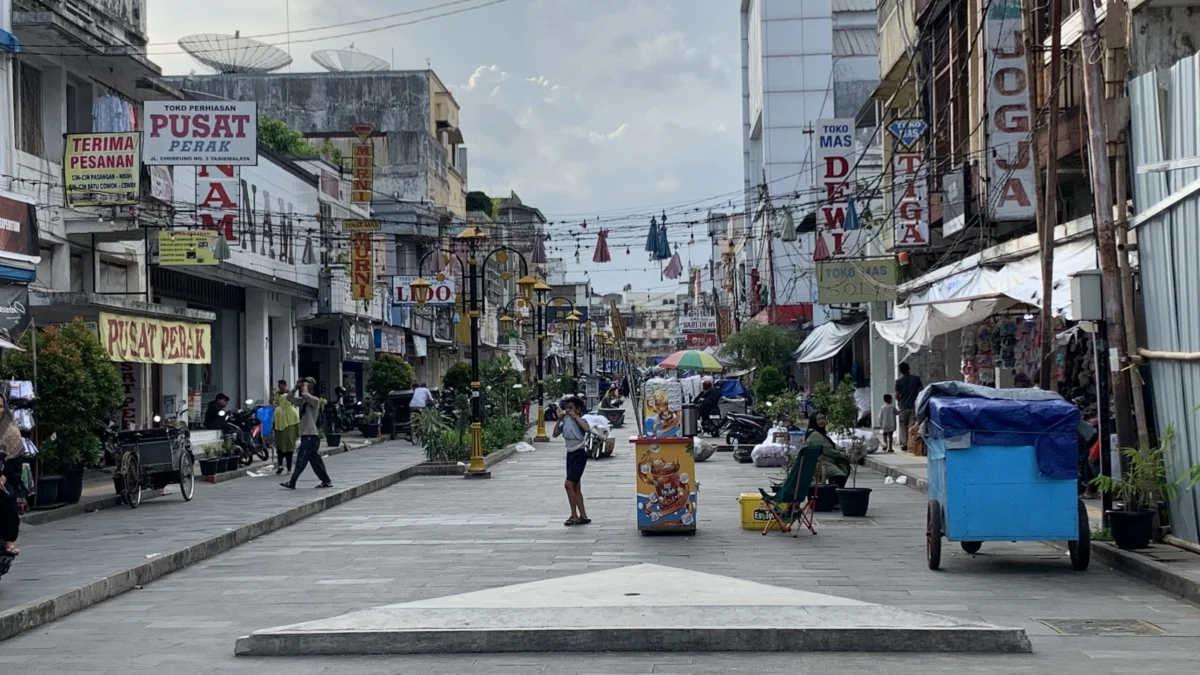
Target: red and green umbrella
x=692 y=359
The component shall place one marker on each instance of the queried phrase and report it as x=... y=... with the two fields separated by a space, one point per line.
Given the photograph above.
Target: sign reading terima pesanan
x=194 y=133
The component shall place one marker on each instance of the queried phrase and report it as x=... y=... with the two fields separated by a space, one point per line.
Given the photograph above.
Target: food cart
x=1003 y=466
x=666 y=467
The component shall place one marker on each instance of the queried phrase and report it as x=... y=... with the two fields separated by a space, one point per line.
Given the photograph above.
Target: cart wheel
x=933 y=534
x=131 y=479
x=972 y=547
x=187 y=476
x=1081 y=550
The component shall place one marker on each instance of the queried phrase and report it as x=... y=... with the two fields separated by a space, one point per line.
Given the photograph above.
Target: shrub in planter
x=70 y=490
x=77 y=385
x=212 y=463
x=1142 y=484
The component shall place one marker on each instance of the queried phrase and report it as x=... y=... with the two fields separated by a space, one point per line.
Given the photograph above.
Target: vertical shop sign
x=364 y=165
x=362 y=272
x=131 y=405
x=1011 y=193
x=217 y=193
x=833 y=147
x=910 y=200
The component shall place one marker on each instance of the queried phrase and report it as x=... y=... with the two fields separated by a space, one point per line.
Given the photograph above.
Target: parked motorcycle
x=246 y=429
x=110 y=444
x=712 y=424
x=746 y=429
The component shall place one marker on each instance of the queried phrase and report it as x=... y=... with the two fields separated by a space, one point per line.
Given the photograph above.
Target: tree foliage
x=479 y=201
x=770 y=383
x=278 y=136
x=837 y=405
x=388 y=374
x=77 y=386
x=458 y=377
x=759 y=346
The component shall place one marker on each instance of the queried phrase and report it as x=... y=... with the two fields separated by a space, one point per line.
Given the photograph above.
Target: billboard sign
x=187 y=247
x=193 y=133
x=1011 y=192
x=846 y=282
x=833 y=152
x=698 y=324
x=440 y=292
x=101 y=169
x=702 y=340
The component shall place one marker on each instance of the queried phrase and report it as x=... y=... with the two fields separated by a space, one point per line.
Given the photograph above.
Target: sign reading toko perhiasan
x=440 y=292
x=192 y=133
x=102 y=169
x=844 y=282
x=132 y=339
x=833 y=148
x=1011 y=194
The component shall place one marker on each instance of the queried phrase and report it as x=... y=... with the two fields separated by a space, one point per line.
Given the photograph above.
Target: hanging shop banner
x=702 y=340
x=352 y=225
x=134 y=339
x=362 y=268
x=194 y=133
x=846 y=282
x=1011 y=193
x=18 y=230
x=910 y=200
x=390 y=340
x=440 y=292
x=358 y=341
x=187 y=247
x=218 y=190
x=363 y=187
x=698 y=324
x=833 y=151
x=102 y=169
x=14 y=309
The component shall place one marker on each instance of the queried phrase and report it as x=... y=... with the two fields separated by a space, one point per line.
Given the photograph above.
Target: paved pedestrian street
x=429 y=537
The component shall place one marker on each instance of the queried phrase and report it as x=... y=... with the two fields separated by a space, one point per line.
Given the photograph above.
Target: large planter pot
x=229 y=463
x=47 y=490
x=854 y=501
x=1131 y=529
x=71 y=488
x=333 y=440
x=211 y=467
x=370 y=430
x=824 y=497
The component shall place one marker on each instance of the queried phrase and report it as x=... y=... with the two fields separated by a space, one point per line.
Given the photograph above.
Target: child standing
x=887 y=420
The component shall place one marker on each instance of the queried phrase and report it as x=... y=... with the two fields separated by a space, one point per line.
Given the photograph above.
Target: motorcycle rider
x=212 y=414
x=709 y=400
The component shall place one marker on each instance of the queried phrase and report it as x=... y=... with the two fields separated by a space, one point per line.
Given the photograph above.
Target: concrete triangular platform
x=639 y=608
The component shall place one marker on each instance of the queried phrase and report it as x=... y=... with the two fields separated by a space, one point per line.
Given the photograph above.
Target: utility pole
x=1106 y=236
x=1050 y=196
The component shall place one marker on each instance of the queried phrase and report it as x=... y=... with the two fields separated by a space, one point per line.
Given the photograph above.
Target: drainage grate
x=1103 y=627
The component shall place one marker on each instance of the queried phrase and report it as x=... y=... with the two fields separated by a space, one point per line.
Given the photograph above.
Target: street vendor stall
x=666 y=467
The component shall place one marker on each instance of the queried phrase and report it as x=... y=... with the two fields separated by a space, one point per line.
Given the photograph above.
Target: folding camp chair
x=791 y=502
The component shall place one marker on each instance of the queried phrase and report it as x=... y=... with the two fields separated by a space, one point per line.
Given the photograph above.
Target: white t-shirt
x=421 y=398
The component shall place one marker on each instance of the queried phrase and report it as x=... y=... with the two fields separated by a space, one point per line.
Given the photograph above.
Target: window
x=76 y=273
x=114 y=278
x=31 y=136
x=45 y=268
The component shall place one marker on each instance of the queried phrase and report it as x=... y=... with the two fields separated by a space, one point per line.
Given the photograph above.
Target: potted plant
x=854 y=500
x=371 y=424
x=211 y=464
x=841 y=413
x=1142 y=483
x=389 y=374
x=229 y=454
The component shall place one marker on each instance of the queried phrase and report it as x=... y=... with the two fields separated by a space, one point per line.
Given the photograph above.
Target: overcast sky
x=586 y=108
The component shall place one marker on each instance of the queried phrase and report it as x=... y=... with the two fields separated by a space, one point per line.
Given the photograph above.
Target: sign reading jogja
x=131 y=339
x=192 y=133
x=833 y=147
x=698 y=324
x=1011 y=193
x=440 y=292
x=102 y=169
x=846 y=282
x=910 y=199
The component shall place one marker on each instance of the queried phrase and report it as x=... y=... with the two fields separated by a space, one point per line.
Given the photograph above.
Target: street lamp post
x=541 y=289
x=573 y=323
x=473 y=237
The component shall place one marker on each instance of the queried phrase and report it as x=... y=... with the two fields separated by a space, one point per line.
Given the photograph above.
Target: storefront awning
x=972 y=295
x=826 y=340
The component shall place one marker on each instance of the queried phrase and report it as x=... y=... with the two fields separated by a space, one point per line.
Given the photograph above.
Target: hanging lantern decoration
x=674 y=268
x=652 y=238
x=788 y=230
x=539 y=250
x=601 y=255
x=584 y=225
x=306 y=258
x=852 y=221
x=221 y=249
x=820 y=250
x=662 y=249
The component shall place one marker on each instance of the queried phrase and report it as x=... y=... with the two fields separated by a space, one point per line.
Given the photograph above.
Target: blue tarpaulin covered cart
x=1003 y=466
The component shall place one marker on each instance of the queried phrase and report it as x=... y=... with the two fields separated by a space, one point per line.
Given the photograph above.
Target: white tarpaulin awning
x=826 y=340
x=973 y=295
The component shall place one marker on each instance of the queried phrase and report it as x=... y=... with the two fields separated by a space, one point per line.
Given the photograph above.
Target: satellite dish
x=349 y=61
x=229 y=54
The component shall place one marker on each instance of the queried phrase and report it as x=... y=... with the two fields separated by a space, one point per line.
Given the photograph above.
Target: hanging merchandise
x=820 y=250
x=539 y=250
x=788 y=231
x=601 y=255
x=852 y=221
x=662 y=248
x=652 y=237
x=674 y=268
x=111 y=113
x=308 y=257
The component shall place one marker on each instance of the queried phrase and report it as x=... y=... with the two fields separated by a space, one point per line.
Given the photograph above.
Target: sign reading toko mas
x=193 y=133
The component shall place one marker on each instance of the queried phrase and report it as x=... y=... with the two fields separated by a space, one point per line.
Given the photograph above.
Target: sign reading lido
x=132 y=339
x=194 y=133
x=440 y=292
x=845 y=282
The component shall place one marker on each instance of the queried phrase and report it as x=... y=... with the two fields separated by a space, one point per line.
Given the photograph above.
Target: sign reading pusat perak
x=195 y=133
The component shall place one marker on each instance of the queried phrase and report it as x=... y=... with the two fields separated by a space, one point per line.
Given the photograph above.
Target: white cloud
x=610 y=136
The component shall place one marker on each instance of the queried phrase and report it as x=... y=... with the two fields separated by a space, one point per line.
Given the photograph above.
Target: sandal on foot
x=571 y=521
x=583 y=521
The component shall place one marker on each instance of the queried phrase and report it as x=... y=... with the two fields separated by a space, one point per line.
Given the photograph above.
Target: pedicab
x=1003 y=466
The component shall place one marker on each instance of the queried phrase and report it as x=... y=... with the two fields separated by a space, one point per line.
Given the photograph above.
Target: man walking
x=907 y=389
x=310 y=442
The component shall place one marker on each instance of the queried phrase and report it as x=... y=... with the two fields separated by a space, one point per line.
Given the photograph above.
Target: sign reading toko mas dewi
x=194 y=133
